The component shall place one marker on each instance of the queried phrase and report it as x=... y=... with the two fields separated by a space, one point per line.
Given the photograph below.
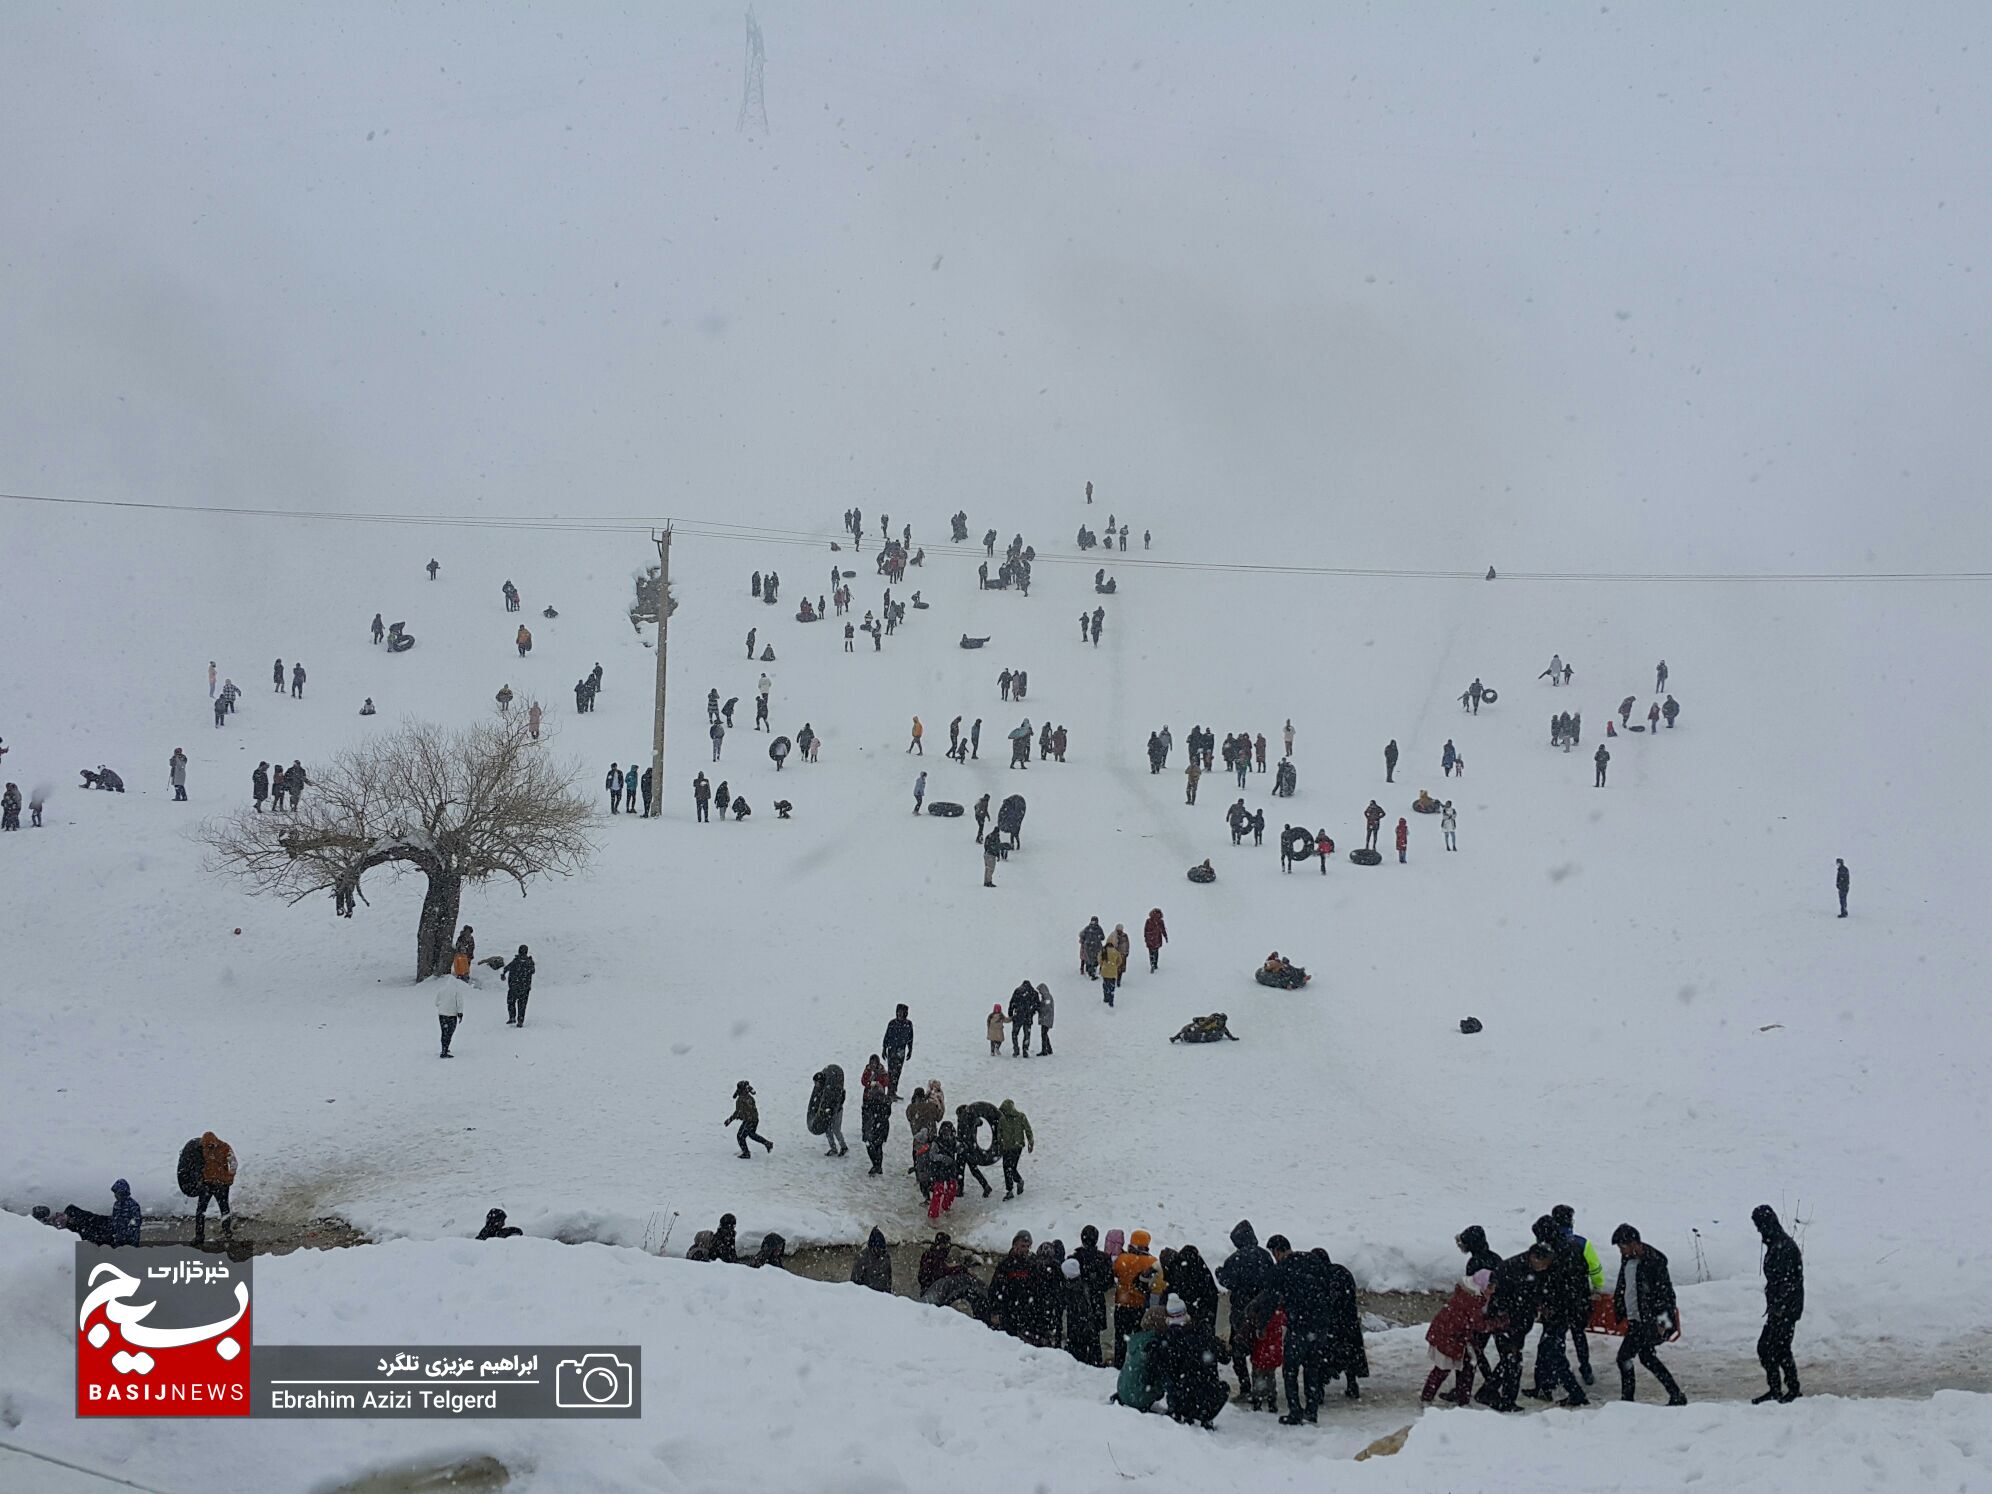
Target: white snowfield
x=1400 y=289
x=760 y=1379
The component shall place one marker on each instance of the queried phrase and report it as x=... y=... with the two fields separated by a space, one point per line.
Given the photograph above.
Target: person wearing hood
x=1154 y=934
x=217 y=1177
x=1013 y=1289
x=1341 y=1341
x=1137 y=1274
x=119 y=1227
x=1023 y=1016
x=875 y=1115
x=1092 y=939
x=873 y=1266
x=1046 y=1011
x=1138 y=1386
x=1186 y=1362
x=1566 y=1308
x=748 y=1114
x=1644 y=1302
x=1452 y=1336
x=993 y=1028
x=1784 y=1305
x=1112 y=966
x=1086 y=1303
x=1191 y=1280
x=724 y=1244
x=495 y=1227
x=1472 y=1243
x=773 y=1252
x=831 y=1078
x=1245 y=1274
x=1013 y=1138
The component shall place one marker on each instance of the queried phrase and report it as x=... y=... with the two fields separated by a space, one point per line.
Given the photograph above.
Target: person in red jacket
x=1403 y=838
x=1154 y=934
x=1452 y=1335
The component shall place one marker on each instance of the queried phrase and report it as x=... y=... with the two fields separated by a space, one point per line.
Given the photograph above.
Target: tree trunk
x=435 y=936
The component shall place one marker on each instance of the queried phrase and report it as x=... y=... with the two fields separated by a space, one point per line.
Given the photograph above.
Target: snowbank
x=761 y=1380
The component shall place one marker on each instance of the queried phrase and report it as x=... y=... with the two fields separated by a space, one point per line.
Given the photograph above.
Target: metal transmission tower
x=753 y=102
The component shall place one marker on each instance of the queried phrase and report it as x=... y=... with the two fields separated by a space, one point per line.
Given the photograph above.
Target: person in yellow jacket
x=1113 y=965
x=919 y=731
x=1137 y=1274
x=524 y=640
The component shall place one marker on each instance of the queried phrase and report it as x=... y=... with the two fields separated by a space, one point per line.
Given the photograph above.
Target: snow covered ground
x=764 y=1380
x=1577 y=294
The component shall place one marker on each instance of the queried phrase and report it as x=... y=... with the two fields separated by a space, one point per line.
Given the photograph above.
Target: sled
x=1417 y=808
x=188 y=1173
x=1488 y=697
x=969 y=1120
x=945 y=809
x=1203 y=876
x=968 y=642
x=1640 y=727
x=1298 y=844
x=1290 y=979
x=1365 y=857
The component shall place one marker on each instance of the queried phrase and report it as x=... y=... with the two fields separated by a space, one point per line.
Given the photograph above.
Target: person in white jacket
x=449 y=1011
x=1449 y=822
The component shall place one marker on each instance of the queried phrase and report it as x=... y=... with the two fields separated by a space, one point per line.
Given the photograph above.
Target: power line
x=719 y=529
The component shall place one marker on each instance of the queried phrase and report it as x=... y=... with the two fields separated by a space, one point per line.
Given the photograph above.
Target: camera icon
x=594 y=1382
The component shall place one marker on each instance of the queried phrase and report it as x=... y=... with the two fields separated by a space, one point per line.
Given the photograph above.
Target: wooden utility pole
x=663 y=540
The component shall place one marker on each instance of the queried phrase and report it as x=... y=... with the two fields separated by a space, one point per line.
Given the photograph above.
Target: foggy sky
x=1597 y=287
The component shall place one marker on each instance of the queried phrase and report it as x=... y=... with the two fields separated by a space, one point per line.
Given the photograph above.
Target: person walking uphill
x=1644 y=1301
x=897 y=1047
x=1390 y=761
x=916 y=744
x=1602 y=758
x=1013 y=1138
x=749 y=1115
x=176 y=772
x=1023 y=1016
x=1784 y=1305
x=449 y=1011
x=518 y=973
x=217 y=1177
x=1842 y=880
x=1154 y=934
x=1092 y=938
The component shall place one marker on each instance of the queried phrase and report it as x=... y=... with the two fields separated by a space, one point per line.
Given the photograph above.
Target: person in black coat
x=1644 y=1299
x=1245 y=1274
x=1342 y=1350
x=1013 y=1288
x=873 y=1266
x=1297 y=1286
x=1023 y=1013
x=724 y=1245
x=1190 y=1279
x=1185 y=1361
x=1514 y=1298
x=1566 y=1305
x=1086 y=1306
x=495 y=1227
x=518 y=973
x=875 y=1124
x=1784 y=1305
x=259 y=785
x=898 y=1045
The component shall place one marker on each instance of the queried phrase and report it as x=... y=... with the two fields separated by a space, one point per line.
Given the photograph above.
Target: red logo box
x=161 y=1331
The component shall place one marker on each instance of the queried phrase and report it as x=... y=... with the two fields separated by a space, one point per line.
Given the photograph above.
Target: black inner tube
x=968 y=1125
x=1299 y=844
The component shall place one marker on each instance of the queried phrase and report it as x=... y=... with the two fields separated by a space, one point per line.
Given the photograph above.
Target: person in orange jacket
x=1137 y=1275
x=217 y=1177
x=916 y=745
x=1403 y=838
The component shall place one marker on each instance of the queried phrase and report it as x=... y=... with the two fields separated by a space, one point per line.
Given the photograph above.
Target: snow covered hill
x=1677 y=1026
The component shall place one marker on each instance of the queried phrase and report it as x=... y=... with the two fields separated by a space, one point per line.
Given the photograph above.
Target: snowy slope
x=1677 y=1027
x=764 y=1380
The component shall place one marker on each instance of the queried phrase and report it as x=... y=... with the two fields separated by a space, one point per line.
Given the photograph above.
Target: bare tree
x=456 y=805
